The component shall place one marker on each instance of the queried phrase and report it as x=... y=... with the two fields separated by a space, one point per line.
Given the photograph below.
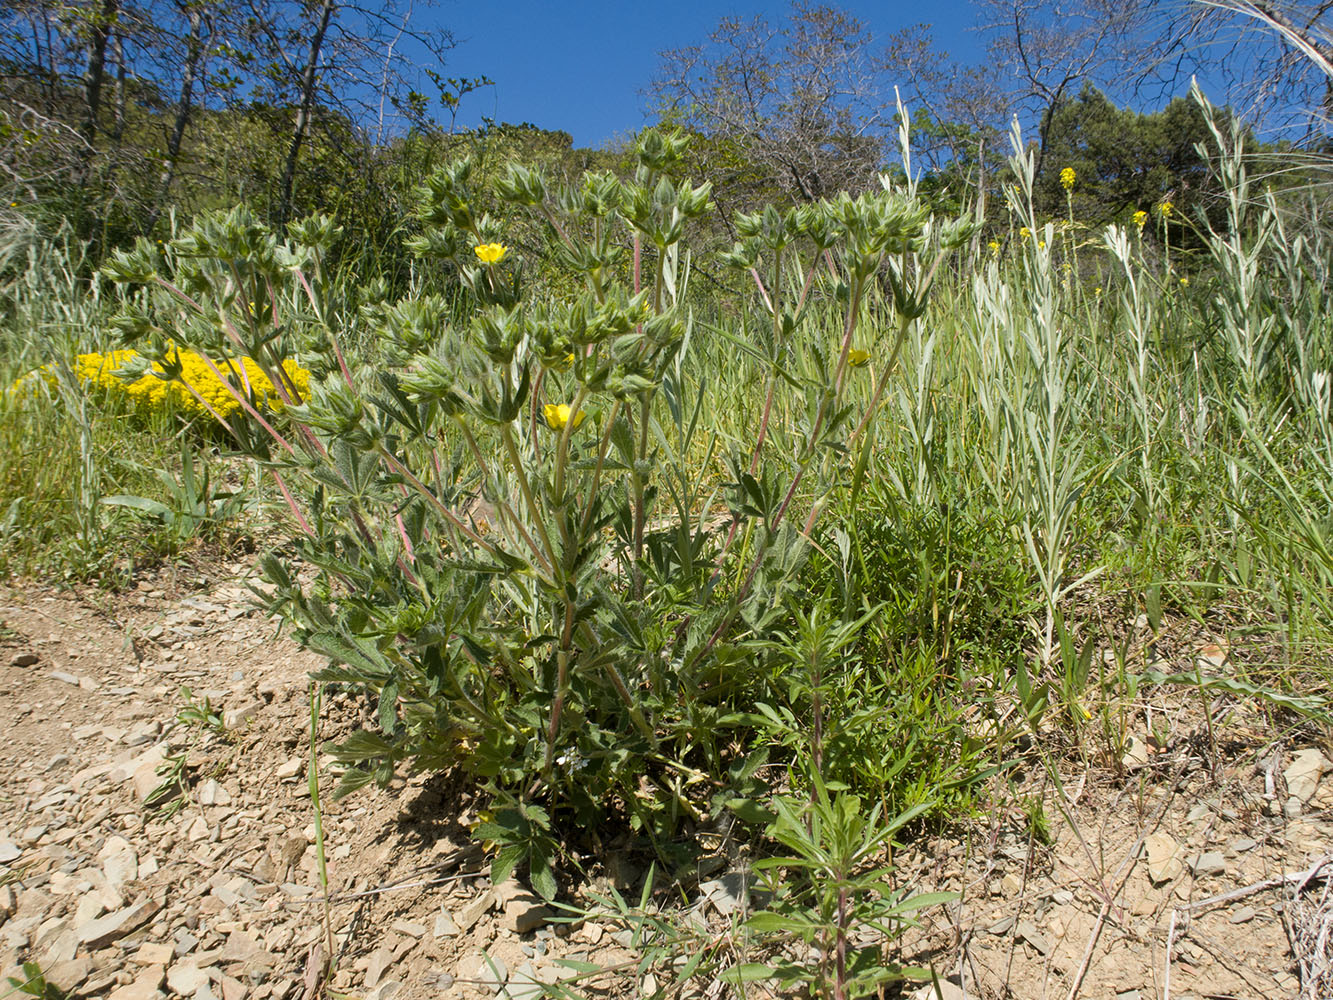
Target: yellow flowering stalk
x=1140 y=219
x=491 y=253
x=1024 y=232
x=858 y=358
x=557 y=415
x=994 y=246
x=1167 y=209
x=1067 y=178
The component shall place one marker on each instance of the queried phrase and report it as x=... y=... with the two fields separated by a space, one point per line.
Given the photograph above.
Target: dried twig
x=1170 y=943
x=1300 y=877
x=1309 y=926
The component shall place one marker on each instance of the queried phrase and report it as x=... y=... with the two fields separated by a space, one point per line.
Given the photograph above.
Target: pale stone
x=487 y=970
x=102 y=931
x=198 y=830
x=524 y=984
x=68 y=976
x=153 y=953
x=186 y=980
x=290 y=769
x=146 y=779
x=1136 y=753
x=380 y=959
x=525 y=914
x=210 y=793
x=1304 y=772
x=120 y=863
x=1164 y=863
x=236 y=717
x=1027 y=931
x=145 y=987
x=474 y=910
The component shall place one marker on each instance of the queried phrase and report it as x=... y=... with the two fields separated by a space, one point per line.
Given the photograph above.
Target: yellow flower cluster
x=1067 y=178
x=153 y=393
x=1140 y=217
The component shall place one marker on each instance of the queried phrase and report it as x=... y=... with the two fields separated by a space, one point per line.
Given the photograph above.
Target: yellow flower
x=98 y=371
x=1140 y=217
x=994 y=246
x=1185 y=282
x=491 y=253
x=857 y=357
x=557 y=415
x=1067 y=178
x=1167 y=209
x=1024 y=232
x=1097 y=291
x=1041 y=244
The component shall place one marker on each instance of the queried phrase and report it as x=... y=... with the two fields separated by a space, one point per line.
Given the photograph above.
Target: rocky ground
x=145 y=857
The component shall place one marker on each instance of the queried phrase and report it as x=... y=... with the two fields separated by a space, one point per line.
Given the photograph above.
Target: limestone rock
x=144 y=987
x=1303 y=775
x=99 y=933
x=1164 y=862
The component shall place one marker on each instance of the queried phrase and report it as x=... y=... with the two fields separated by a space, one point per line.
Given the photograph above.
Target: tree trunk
x=194 y=56
x=93 y=76
x=308 y=81
x=118 y=111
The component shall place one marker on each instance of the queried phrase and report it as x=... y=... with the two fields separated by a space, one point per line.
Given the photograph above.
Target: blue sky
x=581 y=66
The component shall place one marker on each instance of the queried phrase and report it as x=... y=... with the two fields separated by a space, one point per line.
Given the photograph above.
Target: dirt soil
x=1171 y=880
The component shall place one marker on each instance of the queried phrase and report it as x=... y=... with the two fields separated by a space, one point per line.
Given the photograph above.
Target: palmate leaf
x=504 y=863
x=353 y=779
x=364 y=746
x=361 y=656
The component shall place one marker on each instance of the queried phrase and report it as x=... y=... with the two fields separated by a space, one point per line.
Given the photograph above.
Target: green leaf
x=352 y=780
x=768 y=922
x=140 y=503
x=747 y=972
x=542 y=876
x=1308 y=705
x=388 y=708
x=505 y=862
x=751 y=812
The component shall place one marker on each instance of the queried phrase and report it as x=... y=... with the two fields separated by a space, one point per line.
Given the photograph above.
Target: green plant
x=193 y=502
x=34 y=984
x=583 y=650
x=199 y=717
x=822 y=921
x=832 y=886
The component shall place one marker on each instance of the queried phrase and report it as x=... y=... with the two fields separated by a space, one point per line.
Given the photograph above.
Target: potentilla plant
x=525 y=545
